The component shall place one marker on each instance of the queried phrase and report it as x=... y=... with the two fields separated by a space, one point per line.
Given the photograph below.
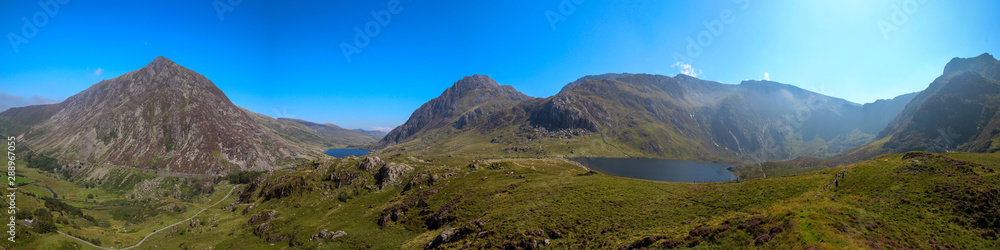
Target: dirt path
x=158 y=230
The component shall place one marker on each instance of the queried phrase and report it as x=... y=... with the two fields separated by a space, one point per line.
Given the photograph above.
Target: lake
x=345 y=152
x=660 y=169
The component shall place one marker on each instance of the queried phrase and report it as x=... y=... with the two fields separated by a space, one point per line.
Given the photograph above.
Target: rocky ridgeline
x=344 y=179
x=162 y=116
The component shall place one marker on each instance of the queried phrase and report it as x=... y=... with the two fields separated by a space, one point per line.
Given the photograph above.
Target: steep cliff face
x=984 y=65
x=957 y=112
x=469 y=100
x=162 y=116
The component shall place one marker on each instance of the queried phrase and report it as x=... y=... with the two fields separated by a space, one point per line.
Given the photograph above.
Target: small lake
x=345 y=152
x=660 y=169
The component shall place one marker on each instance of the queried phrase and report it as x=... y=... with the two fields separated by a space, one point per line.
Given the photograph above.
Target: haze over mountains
x=957 y=112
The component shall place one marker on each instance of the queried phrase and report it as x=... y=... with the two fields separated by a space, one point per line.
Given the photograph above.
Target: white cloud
x=686 y=69
x=98 y=71
x=383 y=129
x=767 y=77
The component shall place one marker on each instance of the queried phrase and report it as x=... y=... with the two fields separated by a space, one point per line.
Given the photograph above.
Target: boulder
x=370 y=164
x=327 y=234
x=261 y=217
x=444 y=237
x=474 y=166
x=391 y=174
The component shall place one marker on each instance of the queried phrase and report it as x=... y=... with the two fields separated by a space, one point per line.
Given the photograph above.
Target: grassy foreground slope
x=913 y=200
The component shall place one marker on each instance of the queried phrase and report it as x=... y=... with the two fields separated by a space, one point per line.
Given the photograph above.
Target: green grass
x=887 y=202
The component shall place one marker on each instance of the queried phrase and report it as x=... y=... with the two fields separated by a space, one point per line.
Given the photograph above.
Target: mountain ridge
x=162 y=116
x=657 y=116
x=454 y=103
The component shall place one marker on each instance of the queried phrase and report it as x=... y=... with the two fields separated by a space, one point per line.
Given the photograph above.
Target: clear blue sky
x=285 y=59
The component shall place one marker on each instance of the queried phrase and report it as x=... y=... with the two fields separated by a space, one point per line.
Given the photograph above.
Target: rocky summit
x=162 y=116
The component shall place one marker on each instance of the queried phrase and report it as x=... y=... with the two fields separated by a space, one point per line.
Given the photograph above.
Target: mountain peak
x=160 y=60
x=980 y=64
x=473 y=82
x=986 y=56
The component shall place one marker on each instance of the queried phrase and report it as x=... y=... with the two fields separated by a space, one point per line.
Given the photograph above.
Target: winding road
x=157 y=231
x=54 y=195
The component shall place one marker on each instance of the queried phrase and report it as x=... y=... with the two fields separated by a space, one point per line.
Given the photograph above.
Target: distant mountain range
x=642 y=115
x=682 y=117
x=167 y=117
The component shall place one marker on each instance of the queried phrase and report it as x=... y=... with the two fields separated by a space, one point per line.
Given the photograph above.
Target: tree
x=43 y=221
x=90 y=196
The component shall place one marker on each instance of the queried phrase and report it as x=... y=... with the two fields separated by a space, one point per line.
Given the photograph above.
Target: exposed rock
x=162 y=116
x=328 y=235
x=344 y=178
x=449 y=235
x=262 y=217
x=474 y=166
x=194 y=223
x=370 y=164
x=248 y=209
x=563 y=112
x=262 y=229
x=337 y=234
x=462 y=101
x=391 y=174
x=393 y=213
x=442 y=238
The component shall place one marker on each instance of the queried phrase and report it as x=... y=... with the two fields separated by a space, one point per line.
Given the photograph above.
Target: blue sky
x=286 y=59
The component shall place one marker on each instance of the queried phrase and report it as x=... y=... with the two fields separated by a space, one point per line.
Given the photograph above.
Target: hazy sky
x=287 y=59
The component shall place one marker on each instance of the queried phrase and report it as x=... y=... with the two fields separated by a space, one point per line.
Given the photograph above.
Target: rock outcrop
x=391 y=174
x=370 y=164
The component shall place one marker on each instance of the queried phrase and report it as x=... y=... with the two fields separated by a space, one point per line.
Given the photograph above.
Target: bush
x=43 y=221
x=501 y=165
x=243 y=177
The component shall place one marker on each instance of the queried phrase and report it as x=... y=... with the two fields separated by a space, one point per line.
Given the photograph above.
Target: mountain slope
x=957 y=112
x=335 y=136
x=468 y=100
x=656 y=116
x=162 y=116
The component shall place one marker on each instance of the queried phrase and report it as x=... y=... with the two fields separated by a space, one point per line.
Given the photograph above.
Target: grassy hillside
x=914 y=200
x=316 y=139
x=645 y=115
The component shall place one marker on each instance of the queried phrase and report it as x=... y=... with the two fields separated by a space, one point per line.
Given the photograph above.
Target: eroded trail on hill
x=159 y=230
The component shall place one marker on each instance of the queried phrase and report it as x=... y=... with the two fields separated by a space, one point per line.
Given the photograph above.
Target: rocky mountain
x=469 y=100
x=162 y=116
x=608 y=76
x=336 y=136
x=957 y=112
x=653 y=116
